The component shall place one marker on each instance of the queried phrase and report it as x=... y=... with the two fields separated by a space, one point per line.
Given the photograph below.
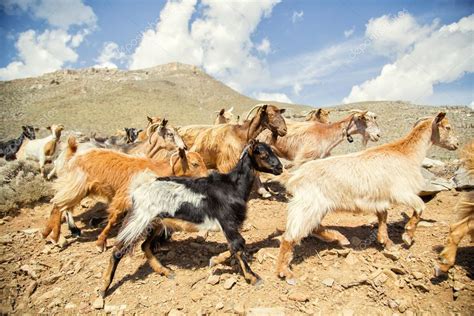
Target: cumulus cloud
x=429 y=57
x=264 y=47
x=219 y=40
x=395 y=34
x=49 y=50
x=348 y=33
x=40 y=53
x=278 y=97
x=58 y=13
x=110 y=52
x=297 y=16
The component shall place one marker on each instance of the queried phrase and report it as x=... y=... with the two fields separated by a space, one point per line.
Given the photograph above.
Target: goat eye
x=448 y=128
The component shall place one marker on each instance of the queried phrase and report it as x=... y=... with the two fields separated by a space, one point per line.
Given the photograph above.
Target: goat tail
x=70 y=188
x=139 y=222
x=71 y=147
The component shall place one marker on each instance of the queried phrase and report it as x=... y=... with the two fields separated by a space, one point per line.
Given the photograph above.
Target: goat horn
x=252 y=109
x=149 y=132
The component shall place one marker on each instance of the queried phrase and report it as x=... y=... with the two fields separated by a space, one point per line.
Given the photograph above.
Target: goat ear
x=231 y=109
x=221 y=112
x=264 y=107
x=282 y=111
x=319 y=111
x=48 y=127
x=149 y=119
x=164 y=122
x=440 y=117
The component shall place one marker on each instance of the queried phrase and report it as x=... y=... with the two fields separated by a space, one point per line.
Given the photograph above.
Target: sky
x=312 y=52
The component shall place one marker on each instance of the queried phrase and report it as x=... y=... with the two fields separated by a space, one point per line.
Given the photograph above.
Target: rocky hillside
x=103 y=100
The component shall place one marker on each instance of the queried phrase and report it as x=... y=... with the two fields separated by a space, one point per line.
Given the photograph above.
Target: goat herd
x=151 y=177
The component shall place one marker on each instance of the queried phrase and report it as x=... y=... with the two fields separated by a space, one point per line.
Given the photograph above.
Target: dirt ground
x=37 y=277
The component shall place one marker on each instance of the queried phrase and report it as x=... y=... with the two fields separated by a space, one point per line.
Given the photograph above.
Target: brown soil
x=39 y=278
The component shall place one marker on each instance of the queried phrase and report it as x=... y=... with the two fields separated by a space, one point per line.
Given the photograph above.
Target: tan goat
x=319 y=115
x=367 y=181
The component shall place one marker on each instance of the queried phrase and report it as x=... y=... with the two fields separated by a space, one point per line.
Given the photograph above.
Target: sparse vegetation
x=21 y=185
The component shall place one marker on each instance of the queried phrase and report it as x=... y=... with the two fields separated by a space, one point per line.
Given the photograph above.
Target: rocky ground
x=37 y=277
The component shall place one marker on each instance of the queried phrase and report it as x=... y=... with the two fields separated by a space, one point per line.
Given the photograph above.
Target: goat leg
x=53 y=224
x=220 y=258
x=331 y=235
x=108 y=276
x=249 y=275
x=284 y=259
x=382 y=232
x=152 y=260
x=456 y=234
x=75 y=231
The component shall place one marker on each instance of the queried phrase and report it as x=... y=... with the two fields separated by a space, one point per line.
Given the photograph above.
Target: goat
x=43 y=148
x=9 y=148
x=465 y=208
x=369 y=181
x=217 y=202
x=221 y=145
x=125 y=136
x=108 y=173
x=163 y=142
x=223 y=116
x=142 y=135
x=319 y=115
x=313 y=140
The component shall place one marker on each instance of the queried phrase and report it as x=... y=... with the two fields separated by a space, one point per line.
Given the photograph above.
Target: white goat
x=42 y=149
x=370 y=181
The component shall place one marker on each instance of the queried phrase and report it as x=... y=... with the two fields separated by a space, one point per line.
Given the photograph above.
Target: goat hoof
x=258 y=282
x=407 y=239
x=102 y=293
x=100 y=247
x=440 y=271
x=76 y=232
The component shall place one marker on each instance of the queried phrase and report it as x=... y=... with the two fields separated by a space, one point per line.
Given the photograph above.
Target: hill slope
x=103 y=100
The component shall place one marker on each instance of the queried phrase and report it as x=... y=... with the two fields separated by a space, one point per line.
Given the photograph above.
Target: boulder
x=434 y=184
x=462 y=180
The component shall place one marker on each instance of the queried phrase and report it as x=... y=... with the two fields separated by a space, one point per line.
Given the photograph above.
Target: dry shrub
x=21 y=185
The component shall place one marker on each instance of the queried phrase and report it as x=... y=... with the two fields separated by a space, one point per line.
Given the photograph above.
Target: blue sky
x=311 y=52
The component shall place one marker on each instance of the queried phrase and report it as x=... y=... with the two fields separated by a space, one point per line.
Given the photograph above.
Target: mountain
x=104 y=100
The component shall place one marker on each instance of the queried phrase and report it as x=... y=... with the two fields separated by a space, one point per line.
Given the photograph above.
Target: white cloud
x=40 y=53
x=348 y=33
x=49 y=50
x=297 y=88
x=110 y=52
x=264 y=47
x=58 y=13
x=278 y=97
x=297 y=16
x=219 y=40
x=441 y=56
x=395 y=34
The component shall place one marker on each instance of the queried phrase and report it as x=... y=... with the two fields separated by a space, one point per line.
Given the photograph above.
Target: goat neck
x=417 y=143
x=335 y=133
x=251 y=129
x=243 y=175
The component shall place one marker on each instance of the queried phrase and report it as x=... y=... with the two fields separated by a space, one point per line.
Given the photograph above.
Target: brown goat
x=142 y=136
x=220 y=146
x=465 y=225
x=319 y=115
x=108 y=173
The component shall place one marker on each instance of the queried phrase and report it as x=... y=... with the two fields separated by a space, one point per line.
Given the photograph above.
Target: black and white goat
x=9 y=148
x=216 y=202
